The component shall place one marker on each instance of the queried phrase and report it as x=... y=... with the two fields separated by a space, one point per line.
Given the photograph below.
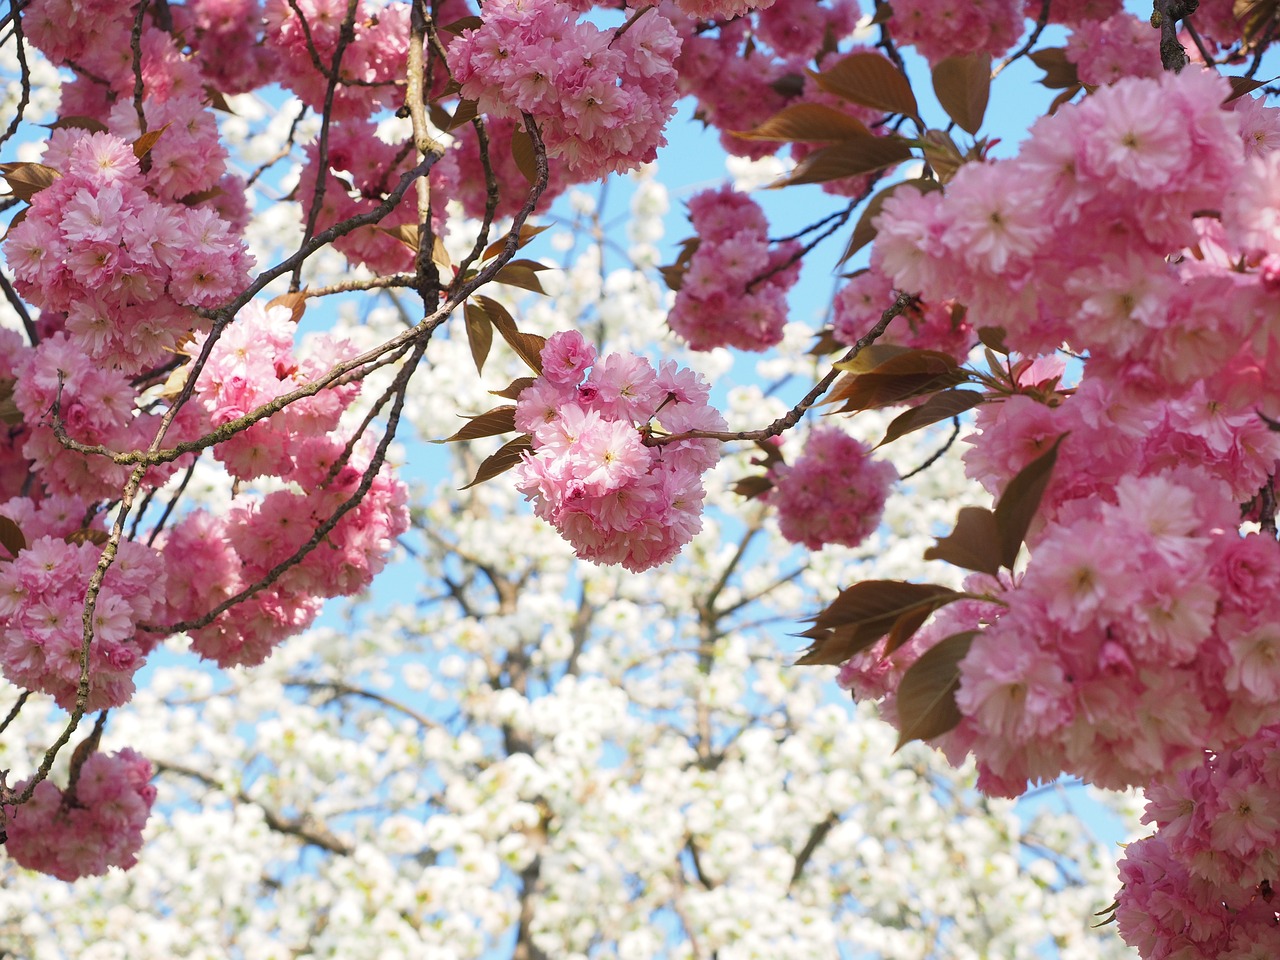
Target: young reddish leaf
x=870 y=357
x=993 y=337
x=9 y=412
x=142 y=146
x=926 y=699
x=1242 y=85
x=466 y=111
x=752 y=487
x=479 y=333
x=910 y=373
x=871 y=80
x=824 y=344
x=523 y=274
x=216 y=100
x=528 y=346
x=527 y=233
x=809 y=123
x=86 y=535
x=465 y=23
x=508 y=455
x=974 y=544
x=942 y=154
x=1059 y=72
x=864 y=613
x=522 y=153
x=963 y=86
x=11 y=537
x=849 y=158
x=864 y=232
x=1020 y=501
x=939 y=407
x=406 y=233
x=440 y=256
x=78 y=123
x=1064 y=97
x=905 y=627
x=27 y=179
x=1254 y=17
x=516 y=387
x=201 y=196
x=295 y=302
x=491 y=423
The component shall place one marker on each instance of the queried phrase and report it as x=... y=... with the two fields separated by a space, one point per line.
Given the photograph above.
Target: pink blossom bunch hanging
x=835 y=491
x=939 y=29
x=591 y=474
x=82 y=833
x=42 y=594
x=734 y=292
x=601 y=97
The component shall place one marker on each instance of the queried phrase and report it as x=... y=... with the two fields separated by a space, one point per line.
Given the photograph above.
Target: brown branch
x=305 y=827
x=346 y=35
x=339 y=689
x=816 y=836
x=20 y=308
x=1041 y=22
x=25 y=98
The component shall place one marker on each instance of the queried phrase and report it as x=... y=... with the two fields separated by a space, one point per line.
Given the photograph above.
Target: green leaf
x=974 y=544
x=963 y=86
x=849 y=158
x=1020 y=501
x=926 y=701
x=808 y=122
x=939 y=407
x=491 y=423
x=871 y=80
x=864 y=613
x=508 y=455
x=479 y=333
x=11 y=537
x=864 y=232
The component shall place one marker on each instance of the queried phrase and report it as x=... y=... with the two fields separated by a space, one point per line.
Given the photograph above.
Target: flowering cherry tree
x=180 y=469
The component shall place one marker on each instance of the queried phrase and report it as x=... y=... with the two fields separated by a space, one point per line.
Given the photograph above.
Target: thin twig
x=792 y=417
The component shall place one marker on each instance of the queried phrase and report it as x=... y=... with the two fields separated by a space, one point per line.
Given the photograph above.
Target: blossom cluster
x=1202 y=886
x=214 y=557
x=83 y=831
x=834 y=492
x=124 y=265
x=302 y=34
x=938 y=29
x=601 y=97
x=615 y=498
x=734 y=290
x=859 y=305
x=42 y=597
